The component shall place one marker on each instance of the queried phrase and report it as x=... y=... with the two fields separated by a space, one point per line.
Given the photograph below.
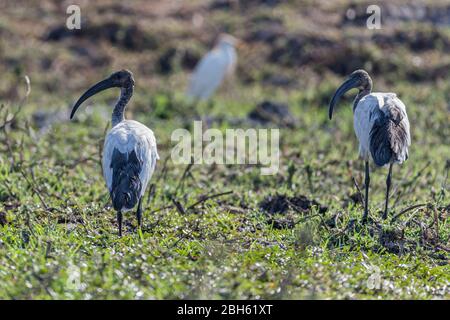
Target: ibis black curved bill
x=346 y=86
x=102 y=85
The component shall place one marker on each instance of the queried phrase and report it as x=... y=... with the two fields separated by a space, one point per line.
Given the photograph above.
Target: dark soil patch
x=354 y=198
x=393 y=240
x=280 y=204
x=96 y=57
x=3 y=219
x=278 y=80
x=267 y=31
x=398 y=238
x=70 y=220
x=130 y=37
x=416 y=40
x=165 y=61
x=299 y=49
x=233 y=4
x=281 y=223
x=341 y=56
x=171 y=58
x=272 y=112
x=390 y=239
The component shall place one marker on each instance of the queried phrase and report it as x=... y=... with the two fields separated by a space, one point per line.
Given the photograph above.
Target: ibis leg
x=388 y=187
x=139 y=213
x=366 y=196
x=119 y=222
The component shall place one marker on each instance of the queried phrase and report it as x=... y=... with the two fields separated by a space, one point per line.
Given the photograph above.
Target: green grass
x=61 y=238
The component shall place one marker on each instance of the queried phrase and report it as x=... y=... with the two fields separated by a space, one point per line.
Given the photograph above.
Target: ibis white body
x=371 y=109
x=125 y=137
x=211 y=71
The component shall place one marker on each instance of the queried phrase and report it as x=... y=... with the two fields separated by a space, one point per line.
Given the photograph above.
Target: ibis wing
x=380 y=146
x=389 y=135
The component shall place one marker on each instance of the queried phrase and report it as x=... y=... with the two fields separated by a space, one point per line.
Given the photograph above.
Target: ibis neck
x=119 y=109
x=367 y=89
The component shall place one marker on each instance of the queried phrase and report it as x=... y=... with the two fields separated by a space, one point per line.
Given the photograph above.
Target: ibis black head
x=359 y=79
x=119 y=79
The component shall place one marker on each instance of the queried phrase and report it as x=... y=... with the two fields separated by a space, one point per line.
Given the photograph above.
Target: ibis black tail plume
x=126 y=185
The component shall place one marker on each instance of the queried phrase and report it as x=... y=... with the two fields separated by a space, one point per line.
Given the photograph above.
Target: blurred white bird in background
x=213 y=68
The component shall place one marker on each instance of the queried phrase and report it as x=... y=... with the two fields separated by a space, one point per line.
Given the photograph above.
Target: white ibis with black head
x=213 y=68
x=129 y=153
x=381 y=126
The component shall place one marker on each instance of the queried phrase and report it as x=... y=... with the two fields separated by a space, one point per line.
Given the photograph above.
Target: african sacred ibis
x=213 y=68
x=129 y=153
x=381 y=126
